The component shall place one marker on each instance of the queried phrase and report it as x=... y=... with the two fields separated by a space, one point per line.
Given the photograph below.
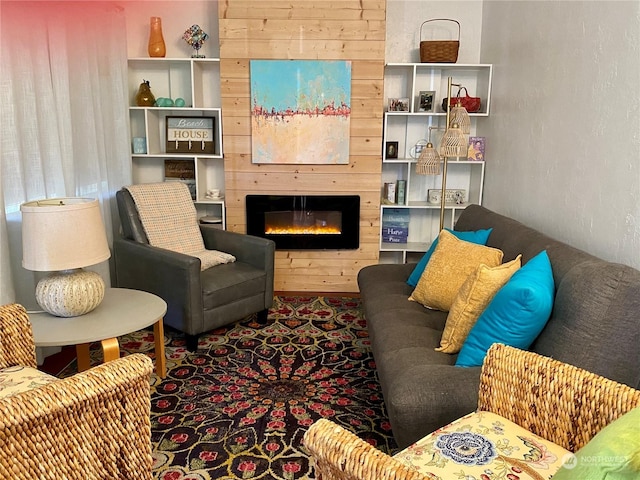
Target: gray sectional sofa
x=595 y=324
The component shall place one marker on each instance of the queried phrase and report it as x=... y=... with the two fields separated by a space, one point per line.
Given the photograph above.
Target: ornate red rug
x=239 y=407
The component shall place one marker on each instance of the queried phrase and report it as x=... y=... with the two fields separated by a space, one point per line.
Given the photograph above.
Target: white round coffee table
x=121 y=312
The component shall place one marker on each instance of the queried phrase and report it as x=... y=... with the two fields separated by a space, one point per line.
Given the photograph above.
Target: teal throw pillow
x=479 y=237
x=613 y=454
x=516 y=315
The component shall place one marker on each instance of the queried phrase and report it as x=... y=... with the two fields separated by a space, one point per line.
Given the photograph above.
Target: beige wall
x=303 y=30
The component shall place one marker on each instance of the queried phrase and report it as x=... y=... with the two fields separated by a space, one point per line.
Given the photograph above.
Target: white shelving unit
x=408 y=128
x=197 y=82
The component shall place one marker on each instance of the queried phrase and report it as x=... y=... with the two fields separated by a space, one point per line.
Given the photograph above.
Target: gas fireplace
x=305 y=222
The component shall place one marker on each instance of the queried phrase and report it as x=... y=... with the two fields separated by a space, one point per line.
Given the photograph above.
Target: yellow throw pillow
x=473 y=297
x=452 y=262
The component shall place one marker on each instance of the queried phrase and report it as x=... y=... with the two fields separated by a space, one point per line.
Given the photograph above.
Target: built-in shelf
x=197 y=82
x=411 y=127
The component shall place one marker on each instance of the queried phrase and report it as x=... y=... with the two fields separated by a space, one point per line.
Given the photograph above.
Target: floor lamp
x=453 y=145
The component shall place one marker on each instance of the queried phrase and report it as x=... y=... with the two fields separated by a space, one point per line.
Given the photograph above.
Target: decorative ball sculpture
x=195 y=37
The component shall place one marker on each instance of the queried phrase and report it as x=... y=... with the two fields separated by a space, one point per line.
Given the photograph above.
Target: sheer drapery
x=63 y=111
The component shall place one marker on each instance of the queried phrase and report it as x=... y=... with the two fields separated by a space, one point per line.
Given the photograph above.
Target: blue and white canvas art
x=300 y=111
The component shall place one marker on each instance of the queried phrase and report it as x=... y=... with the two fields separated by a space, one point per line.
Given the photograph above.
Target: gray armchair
x=197 y=301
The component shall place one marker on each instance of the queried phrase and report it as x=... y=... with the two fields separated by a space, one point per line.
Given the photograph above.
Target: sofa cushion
x=482 y=442
x=473 y=297
x=230 y=283
x=516 y=315
x=452 y=262
x=479 y=236
x=18 y=379
x=614 y=453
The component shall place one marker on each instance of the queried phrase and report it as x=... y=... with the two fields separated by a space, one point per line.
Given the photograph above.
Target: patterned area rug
x=239 y=407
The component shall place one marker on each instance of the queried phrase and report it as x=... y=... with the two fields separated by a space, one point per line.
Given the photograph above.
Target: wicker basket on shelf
x=439 y=51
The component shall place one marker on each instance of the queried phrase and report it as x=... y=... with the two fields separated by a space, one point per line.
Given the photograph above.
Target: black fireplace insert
x=305 y=222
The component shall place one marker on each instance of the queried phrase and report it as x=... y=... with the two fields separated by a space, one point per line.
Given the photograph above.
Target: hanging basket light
x=460 y=116
x=454 y=142
x=429 y=159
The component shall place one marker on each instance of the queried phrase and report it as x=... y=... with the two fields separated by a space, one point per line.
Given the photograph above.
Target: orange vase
x=156 y=40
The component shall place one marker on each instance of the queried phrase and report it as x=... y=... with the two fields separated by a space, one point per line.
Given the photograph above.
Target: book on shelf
x=394 y=193
x=476 y=149
x=395 y=216
x=401 y=192
x=389 y=193
x=393 y=239
x=400 y=232
x=395 y=225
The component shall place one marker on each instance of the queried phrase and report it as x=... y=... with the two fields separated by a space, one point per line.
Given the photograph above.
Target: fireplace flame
x=304 y=230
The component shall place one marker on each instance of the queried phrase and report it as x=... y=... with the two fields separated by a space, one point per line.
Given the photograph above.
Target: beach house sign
x=190 y=135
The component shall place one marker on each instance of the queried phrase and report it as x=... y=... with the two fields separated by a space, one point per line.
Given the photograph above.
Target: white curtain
x=64 y=117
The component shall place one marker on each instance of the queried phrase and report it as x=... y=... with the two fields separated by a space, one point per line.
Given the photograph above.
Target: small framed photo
x=476 y=149
x=391 y=150
x=398 y=104
x=426 y=101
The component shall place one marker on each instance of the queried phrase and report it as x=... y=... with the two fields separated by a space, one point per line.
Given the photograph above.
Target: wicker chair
x=93 y=425
x=561 y=403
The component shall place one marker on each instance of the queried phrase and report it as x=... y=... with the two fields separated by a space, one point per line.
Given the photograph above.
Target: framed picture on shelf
x=183 y=171
x=391 y=150
x=426 y=101
x=476 y=149
x=398 y=104
x=190 y=135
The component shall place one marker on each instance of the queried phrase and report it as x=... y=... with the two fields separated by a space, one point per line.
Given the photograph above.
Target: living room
x=535 y=95
x=562 y=150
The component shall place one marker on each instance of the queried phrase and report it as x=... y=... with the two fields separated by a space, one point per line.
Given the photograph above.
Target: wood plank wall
x=306 y=30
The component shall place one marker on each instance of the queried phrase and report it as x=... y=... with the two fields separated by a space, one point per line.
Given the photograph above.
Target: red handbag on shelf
x=471 y=104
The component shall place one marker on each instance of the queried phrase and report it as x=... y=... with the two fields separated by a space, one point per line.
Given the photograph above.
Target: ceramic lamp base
x=70 y=293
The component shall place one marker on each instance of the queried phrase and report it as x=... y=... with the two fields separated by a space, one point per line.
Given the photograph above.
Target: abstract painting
x=300 y=111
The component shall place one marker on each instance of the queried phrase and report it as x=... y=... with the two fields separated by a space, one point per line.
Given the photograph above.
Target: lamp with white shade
x=63 y=235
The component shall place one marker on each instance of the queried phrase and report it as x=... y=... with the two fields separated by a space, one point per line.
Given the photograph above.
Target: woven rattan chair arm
x=560 y=402
x=95 y=424
x=16 y=337
x=340 y=455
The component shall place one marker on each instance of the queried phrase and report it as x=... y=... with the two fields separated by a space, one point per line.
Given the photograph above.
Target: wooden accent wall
x=306 y=30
